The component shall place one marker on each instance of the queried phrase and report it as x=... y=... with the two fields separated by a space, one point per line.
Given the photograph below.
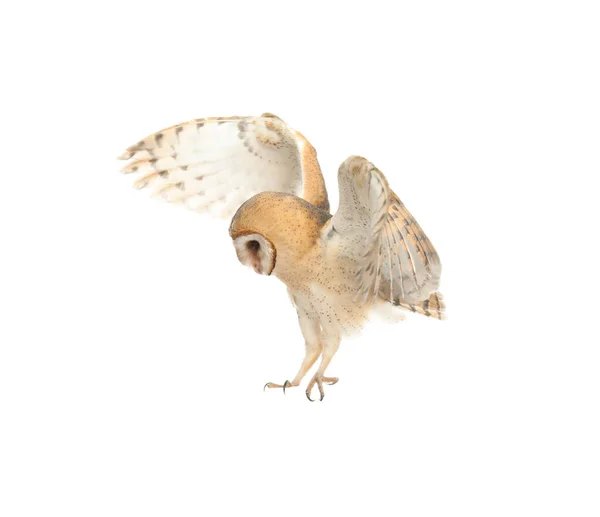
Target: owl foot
x=286 y=384
x=319 y=382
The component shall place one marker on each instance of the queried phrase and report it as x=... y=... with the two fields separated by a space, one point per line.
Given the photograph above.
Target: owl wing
x=396 y=260
x=216 y=164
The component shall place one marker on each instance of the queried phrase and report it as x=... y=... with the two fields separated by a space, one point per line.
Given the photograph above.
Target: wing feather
x=396 y=260
x=226 y=160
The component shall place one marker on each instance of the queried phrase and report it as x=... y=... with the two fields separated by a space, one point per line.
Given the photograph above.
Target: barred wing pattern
x=397 y=262
x=216 y=164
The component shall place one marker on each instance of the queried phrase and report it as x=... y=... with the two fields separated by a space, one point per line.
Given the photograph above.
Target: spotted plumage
x=338 y=269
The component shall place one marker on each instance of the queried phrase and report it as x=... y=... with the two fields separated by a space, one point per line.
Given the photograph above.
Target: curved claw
x=285 y=385
x=320 y=392
x=310 y=387
x=319 y=382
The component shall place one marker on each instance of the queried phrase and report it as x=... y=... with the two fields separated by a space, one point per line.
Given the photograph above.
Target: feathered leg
x=312 y=333
x=331 y=344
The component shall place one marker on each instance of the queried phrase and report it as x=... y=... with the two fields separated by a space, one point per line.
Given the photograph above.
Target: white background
x=134 y=346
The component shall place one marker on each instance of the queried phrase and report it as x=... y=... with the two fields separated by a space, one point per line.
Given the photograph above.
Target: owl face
x=256 y=251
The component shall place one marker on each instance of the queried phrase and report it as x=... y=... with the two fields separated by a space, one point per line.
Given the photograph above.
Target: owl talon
x=286 y=384
x=319 y=382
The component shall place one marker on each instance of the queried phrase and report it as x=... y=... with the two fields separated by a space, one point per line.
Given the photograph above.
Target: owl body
x=337 y=268
x=329 y=294
x=319 y=274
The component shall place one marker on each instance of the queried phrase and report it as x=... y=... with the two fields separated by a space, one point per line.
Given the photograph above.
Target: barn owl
x=337 y=269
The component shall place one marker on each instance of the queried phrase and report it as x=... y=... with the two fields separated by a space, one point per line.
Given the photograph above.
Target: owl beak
x=256 y=265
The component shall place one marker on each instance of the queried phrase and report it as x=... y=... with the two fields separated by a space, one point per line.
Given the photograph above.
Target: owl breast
x=333 y=306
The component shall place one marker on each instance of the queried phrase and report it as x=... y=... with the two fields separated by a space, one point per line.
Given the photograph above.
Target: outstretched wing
x=396 y=260
x=218 y=163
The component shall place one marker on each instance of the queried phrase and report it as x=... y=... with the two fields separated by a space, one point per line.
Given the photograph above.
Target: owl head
x=272 y=231
x=256 y=251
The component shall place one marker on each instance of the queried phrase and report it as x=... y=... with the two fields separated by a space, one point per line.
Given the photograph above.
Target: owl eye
x=253 y=246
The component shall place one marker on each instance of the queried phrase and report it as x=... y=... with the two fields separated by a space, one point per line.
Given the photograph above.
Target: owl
x=337 y=268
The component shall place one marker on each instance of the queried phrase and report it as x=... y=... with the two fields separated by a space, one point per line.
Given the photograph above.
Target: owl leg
x=330 y=347
x=311 y=332
x=313 y=350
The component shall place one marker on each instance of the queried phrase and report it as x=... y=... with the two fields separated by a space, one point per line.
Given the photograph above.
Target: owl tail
x=433 y=307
